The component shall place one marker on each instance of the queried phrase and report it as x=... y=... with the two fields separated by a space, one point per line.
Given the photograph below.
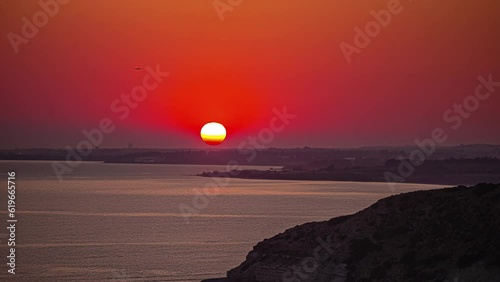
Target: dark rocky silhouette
x=438 y=235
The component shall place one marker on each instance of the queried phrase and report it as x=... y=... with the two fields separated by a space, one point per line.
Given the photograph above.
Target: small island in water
x=440 y=235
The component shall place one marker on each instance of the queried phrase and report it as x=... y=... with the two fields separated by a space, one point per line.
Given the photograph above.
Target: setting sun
x=213 y=133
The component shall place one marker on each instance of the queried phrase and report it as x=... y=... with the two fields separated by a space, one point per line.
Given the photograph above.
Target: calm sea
x=123 y=221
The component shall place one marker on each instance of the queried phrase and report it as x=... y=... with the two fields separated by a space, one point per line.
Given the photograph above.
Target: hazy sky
x=261 y=55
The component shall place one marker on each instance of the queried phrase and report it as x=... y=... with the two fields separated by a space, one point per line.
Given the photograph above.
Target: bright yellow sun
x=213 y=133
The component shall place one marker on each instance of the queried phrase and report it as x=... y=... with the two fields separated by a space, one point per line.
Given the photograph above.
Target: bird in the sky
x=138 y=68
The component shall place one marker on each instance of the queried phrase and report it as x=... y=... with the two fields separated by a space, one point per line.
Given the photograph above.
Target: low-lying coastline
x=373 y=174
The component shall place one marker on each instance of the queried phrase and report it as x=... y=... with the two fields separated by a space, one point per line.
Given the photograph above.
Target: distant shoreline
x=459 y=165
x=362 y=175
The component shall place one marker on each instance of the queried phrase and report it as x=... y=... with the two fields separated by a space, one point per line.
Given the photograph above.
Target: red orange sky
x=263 y=55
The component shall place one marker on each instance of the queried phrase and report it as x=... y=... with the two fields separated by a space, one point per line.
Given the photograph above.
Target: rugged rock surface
x=447 y=234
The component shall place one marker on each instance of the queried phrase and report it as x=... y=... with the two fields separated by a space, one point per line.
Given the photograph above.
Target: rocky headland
x=441 y=235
